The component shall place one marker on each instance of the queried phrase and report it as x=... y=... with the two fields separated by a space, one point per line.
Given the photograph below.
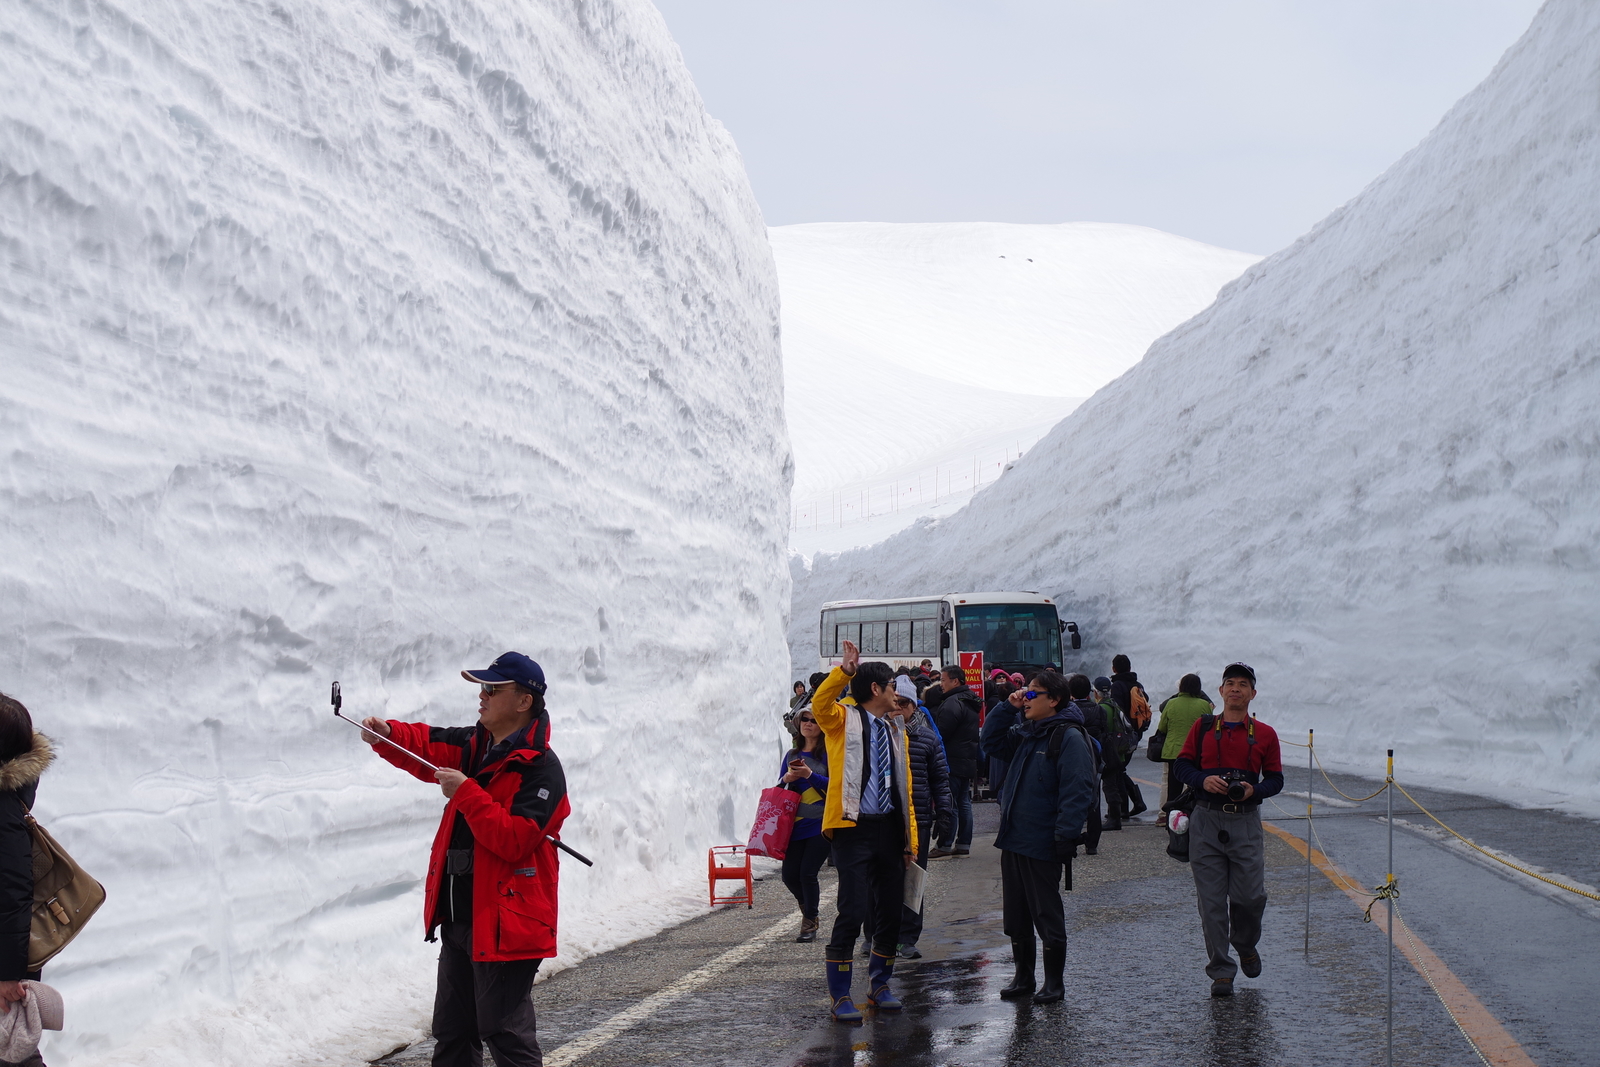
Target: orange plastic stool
x=722 y=873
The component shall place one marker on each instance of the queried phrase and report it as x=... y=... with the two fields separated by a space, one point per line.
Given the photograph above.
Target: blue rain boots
x=880 y=970
x=844 y=1009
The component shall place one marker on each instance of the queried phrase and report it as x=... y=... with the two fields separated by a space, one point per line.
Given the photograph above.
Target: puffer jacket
x=509 y=807
x=1042 y=802
x=19 y=782
x=930 y=778
x=957 y=714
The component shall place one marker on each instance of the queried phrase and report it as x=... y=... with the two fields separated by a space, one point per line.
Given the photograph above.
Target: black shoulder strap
x=1206 y=723
x=1058 y=737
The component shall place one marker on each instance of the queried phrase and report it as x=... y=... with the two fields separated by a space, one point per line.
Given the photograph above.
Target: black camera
x=1238 y=785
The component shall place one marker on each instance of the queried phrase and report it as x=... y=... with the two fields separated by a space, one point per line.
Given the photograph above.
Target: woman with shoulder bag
x=24 y=755
x=805 y=771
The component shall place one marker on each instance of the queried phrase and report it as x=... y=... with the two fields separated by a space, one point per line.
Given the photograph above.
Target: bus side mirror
x=944 y=638
x=1077 y=638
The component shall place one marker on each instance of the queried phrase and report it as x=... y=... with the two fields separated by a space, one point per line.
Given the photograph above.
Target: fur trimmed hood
x=26 y=768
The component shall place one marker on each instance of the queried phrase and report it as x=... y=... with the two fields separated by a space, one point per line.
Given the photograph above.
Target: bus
x=1019 y=632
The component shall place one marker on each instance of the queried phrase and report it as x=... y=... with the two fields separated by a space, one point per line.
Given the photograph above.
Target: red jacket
x=510 y=807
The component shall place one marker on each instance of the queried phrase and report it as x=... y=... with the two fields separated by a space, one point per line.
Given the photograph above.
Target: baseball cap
x=1239 y=670
x=510 y=667
x=1102 y=684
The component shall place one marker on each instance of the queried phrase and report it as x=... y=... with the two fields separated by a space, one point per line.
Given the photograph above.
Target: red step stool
x=721 y=873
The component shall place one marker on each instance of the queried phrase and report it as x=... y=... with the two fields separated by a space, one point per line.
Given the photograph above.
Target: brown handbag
x=64 y=896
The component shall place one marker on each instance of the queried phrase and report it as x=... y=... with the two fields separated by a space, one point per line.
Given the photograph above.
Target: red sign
x=972 y=667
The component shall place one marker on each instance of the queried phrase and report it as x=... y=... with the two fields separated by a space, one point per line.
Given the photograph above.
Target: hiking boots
x=1222 y=987
x=1022 y=958
x=1112 y=824
x=808 y=931
x=1055 y=963
x=962 y=852
x=939 y=853
x=1250 y=962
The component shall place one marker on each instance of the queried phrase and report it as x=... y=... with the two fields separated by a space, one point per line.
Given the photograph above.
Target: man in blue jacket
x=1049 y=789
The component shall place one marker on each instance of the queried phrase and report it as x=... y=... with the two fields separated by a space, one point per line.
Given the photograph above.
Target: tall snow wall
x=1371 y=469
x=367 y=341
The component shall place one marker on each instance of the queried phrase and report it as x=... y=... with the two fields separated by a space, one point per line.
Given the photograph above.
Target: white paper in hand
x=916 y=880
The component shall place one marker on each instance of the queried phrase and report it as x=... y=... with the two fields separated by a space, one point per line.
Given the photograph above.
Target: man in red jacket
x=491 y=890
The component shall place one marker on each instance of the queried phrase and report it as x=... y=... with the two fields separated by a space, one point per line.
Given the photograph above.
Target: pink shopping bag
x=769 y=836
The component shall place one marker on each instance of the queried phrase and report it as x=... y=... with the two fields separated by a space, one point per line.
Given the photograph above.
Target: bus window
x=1013 y=636
x=900 y=630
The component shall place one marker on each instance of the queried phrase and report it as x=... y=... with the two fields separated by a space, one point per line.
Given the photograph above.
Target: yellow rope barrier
x=1416 y=958
x=1389 y=890
x=1341 y=792
x=1491 y=855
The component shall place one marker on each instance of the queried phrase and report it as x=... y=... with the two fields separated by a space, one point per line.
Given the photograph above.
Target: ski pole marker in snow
x=337 y=699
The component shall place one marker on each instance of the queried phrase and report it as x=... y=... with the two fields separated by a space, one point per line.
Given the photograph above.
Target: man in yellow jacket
x=869 y=816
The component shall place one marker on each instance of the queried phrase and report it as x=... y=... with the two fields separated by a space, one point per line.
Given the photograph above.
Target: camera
x=1237 y=785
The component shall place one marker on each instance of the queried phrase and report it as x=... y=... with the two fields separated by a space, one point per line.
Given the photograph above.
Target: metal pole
x=1311 y=739
x=1389 y=901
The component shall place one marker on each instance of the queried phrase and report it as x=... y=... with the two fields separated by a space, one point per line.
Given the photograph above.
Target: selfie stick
x=338 y=703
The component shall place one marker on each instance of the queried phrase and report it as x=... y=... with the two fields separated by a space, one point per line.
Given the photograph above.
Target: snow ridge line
x=590 y=1040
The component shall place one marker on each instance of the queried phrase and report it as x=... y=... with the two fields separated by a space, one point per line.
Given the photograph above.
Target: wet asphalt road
x=1136 y=991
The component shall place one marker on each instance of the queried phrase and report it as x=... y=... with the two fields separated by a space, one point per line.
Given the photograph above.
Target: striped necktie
x=875 y=798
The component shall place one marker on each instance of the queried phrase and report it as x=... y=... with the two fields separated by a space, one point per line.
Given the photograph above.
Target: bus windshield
x=1018 y=637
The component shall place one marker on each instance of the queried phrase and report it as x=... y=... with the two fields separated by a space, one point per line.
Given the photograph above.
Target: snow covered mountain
x=367 y=341
x=971 y=339
x=1371 y=469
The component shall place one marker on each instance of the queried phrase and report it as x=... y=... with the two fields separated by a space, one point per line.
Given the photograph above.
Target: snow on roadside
x=1371 y=469
x=367 y=341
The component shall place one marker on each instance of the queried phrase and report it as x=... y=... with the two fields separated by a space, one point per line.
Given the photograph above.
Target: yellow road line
x=1493 y=1041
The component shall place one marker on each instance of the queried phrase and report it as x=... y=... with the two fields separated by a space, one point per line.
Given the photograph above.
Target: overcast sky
x=1236 y=122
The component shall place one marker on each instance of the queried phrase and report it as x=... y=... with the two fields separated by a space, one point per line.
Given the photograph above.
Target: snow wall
x=1371 y=469
x=367 y=341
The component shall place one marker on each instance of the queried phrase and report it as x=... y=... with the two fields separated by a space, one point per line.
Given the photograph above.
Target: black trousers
x=1030 y=894
x=1111 y=784
x=480 y=1004
x=800 y=866
x=870 y=859
x=1091 y=835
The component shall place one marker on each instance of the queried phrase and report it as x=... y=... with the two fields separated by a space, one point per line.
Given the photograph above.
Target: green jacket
x=1177 y=719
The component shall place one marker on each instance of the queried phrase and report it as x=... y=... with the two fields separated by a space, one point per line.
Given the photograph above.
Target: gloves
x=1064 y=850
x=944 y=826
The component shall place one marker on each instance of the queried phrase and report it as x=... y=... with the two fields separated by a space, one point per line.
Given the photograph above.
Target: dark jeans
x=800 y=866
x=1091 y=836
x=870 y=859
x=961 y=792
x=1030 y=894
x=481 y=1004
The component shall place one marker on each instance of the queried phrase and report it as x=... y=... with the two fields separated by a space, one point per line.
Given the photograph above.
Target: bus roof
x=1018 y=597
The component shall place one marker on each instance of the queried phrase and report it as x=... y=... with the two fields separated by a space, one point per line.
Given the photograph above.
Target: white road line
x=590 y=1040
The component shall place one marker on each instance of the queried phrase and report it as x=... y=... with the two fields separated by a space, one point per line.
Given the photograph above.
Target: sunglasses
x=1032 y=694
x=806 y=720
x=488 y=689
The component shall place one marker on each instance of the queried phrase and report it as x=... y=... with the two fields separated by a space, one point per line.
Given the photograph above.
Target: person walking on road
x=1117 y=724
x=930 y=796
x=872 y=820
x=1049 y=790
x=1178 y=714
x=805 y=771
x=1088 y=714
x=492 y=876
x=955 y=709
x=1232 y=763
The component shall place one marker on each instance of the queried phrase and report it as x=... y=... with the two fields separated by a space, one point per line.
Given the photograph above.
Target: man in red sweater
x=491 y=890
x=1232 y=763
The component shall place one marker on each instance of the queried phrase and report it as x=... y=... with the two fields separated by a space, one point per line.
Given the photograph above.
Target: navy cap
x=511 y=667
x=1102 y=684
x=1239 y=670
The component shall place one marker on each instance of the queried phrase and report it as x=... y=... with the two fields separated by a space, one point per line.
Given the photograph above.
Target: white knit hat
x=903 y=686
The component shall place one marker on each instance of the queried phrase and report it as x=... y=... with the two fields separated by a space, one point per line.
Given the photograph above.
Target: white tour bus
x=1015 y=631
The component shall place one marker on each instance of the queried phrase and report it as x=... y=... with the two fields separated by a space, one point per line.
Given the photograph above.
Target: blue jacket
x=1041 y=802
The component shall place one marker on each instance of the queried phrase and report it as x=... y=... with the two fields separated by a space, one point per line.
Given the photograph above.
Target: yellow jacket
x=842 y=727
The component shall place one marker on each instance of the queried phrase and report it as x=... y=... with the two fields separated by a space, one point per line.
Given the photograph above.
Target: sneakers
x=939 y=853
x=1222 y=987
x=1250 y=963
x=808 y=931
x=909 y=952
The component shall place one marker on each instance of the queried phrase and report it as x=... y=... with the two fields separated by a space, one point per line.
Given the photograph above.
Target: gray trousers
x=1227 y=853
